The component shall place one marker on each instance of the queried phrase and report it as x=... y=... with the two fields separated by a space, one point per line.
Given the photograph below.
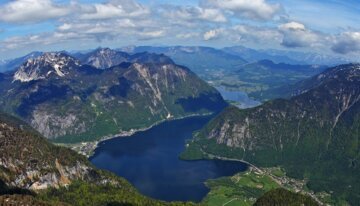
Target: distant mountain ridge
x=283 y=56
x=234 y=53
x=103 y=58
x=259 y=73
x=63 y=98
x=11 y=64
x=313 y=135
x=201 y=60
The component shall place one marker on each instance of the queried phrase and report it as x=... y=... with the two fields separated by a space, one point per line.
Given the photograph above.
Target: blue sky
x=324 y=26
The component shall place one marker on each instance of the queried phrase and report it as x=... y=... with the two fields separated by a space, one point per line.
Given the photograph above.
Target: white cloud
x=113 y=28
x=116 y=19
x=27 y=11
x=255 y=34
x=212 y=34
x=146 y=35
x=187 y=35
x=347 y=42
x=221 y=21
x=253 y=9
x=212 y=15
x=292 y=26
x=190 y=15
x=114 y=9
x=245 y=34
x=297 y=35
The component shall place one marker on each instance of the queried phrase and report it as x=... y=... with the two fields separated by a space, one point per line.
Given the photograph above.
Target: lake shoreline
x=150 y=161
x=285 y=181
x=87 y=148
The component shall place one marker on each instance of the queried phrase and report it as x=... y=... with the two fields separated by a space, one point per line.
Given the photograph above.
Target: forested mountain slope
x=35 y=172
x=65 y=99
x=314 y=135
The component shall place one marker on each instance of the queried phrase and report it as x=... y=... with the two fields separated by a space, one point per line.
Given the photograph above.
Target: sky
x=323 y=26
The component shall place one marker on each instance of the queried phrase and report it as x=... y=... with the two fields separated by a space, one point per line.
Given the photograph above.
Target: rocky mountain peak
x=346 y=72
x=106 y=51
x=50 y=63
x=103 y=58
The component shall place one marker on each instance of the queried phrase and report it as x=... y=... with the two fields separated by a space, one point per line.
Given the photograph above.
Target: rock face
x=64 y=99
x=314 y=135
x=48 y=64
x=28 y=161
x=104 y=58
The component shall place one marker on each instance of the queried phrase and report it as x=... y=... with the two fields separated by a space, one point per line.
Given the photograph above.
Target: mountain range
x=284 y=56
x=204 y=61
x=74 y=97
x=197 y=58
x=74 y=100
x=179 y=53
x=261 y=74
x=313 y=135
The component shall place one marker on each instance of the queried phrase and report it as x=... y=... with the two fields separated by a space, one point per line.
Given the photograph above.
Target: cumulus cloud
x=297 y=35
x=147 y=35
x=114 y=19
x=212 y=15
x=253 y=9
x=31 y=40
x=113 y=9
x=245 y=34
x=129 y=19
x=97 y=27
x=212 y=34
x=114 y=28
x=292 y=26
x=347 y=42
x=187 y=35
x=190 y=15
x=27 y=11
x=125 y=21
x=255 y=34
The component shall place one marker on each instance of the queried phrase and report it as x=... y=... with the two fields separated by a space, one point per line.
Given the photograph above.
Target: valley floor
x=244 y=188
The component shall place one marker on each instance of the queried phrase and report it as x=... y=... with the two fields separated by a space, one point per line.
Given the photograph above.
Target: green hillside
x=313 y=136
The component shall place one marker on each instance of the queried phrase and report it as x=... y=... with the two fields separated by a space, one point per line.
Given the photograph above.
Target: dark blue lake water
x=149 y=160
